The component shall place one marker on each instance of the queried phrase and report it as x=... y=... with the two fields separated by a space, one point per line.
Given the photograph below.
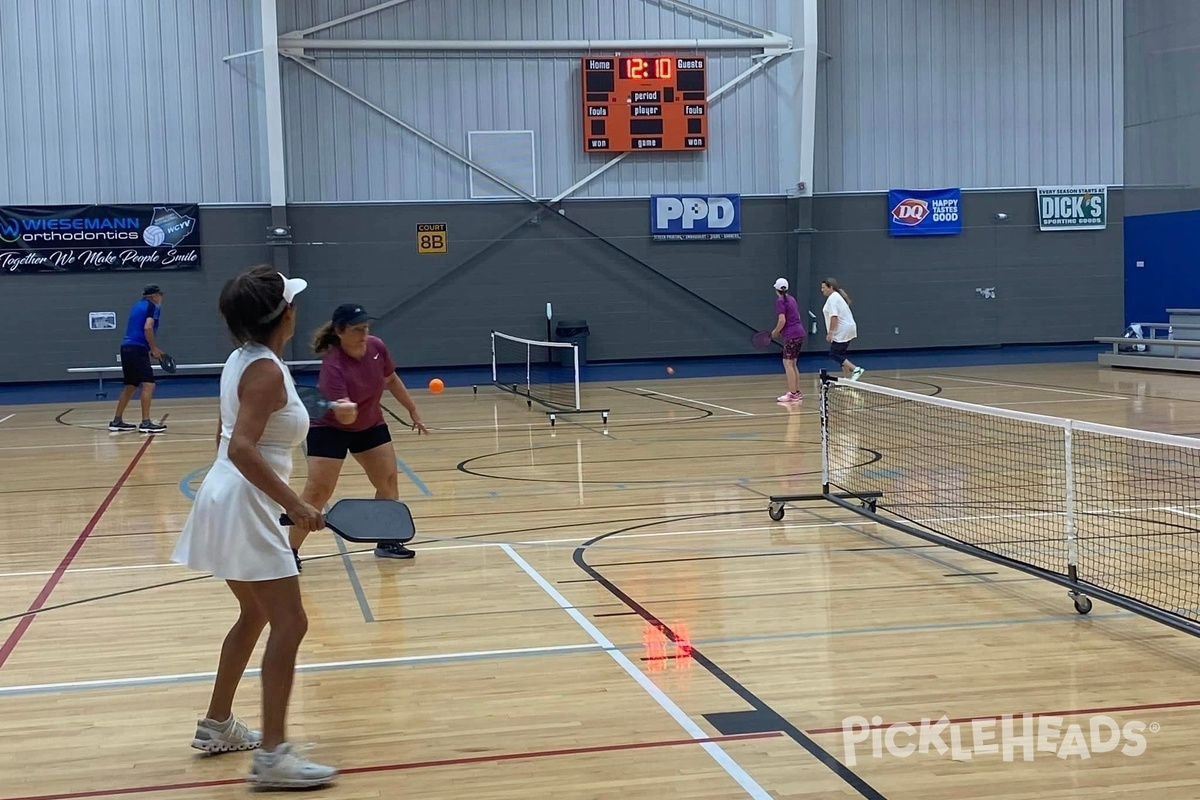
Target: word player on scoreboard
x=632 y=103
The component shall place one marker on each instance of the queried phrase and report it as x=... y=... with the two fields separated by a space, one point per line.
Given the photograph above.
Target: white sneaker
x=225 y=737
x=857 y=373
x=284 y=769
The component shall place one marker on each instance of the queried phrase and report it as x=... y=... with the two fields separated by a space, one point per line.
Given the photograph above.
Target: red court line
x=1075 y=712
x=448 y=762
x=23 y=624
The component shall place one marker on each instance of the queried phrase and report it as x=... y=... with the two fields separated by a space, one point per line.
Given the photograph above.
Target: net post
x=493 y=357
x=1069 y=494
x=528 y=370
x=823 y=405
x=575 y=352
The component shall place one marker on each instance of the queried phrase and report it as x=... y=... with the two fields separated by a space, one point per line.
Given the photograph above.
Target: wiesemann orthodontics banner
x=99 y=238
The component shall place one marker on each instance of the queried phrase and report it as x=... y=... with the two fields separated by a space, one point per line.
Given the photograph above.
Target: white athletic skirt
x=233 y=530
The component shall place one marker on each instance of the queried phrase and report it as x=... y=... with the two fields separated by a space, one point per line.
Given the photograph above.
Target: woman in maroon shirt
x=355 y=366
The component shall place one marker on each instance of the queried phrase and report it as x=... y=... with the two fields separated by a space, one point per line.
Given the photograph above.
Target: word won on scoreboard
x=635 y=103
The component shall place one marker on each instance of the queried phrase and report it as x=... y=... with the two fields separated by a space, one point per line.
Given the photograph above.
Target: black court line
x=766 y=713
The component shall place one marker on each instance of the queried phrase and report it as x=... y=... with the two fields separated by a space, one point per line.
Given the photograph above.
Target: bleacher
x=1173 y=346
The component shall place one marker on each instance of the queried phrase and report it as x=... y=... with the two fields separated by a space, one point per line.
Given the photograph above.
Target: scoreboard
x=636 y=103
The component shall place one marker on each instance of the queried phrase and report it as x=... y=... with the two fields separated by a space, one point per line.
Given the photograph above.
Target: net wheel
x=775 y=511
x=552 y=419
x=475 y=389
x=529 y=404
x=1083 y=604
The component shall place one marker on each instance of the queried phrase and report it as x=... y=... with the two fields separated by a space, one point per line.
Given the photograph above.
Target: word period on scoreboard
x=634 y=103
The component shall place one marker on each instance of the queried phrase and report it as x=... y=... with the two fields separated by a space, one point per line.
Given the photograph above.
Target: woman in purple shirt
x=791 y=329
x=355 y=366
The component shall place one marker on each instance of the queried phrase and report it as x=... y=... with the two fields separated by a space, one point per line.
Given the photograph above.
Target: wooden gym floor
x=521 y=654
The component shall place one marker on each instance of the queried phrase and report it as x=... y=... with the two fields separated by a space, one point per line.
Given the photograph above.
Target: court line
x=1034 y=387
x=6 y=419
x=1075 y=712
x=412 y=476
x=101 y=684
x=330 y=666
x=652 y=393
x=445 y=762
x=722 y=758
x=23 y=624
x=355 y=584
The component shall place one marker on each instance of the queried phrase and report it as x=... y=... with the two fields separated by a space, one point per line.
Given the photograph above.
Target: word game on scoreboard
x=633 y=103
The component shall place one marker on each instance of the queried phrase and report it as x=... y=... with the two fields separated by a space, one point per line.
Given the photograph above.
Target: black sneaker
x=393 y=550
x=120 y=426
x=151 y=427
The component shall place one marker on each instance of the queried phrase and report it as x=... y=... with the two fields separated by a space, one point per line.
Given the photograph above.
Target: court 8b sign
x=677 y=217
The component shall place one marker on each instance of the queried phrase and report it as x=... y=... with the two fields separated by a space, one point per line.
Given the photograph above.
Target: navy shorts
x=135 y=365
x=327 y=442
x=837 y=351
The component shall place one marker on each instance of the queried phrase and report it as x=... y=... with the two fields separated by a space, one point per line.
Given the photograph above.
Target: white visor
x=292 y=287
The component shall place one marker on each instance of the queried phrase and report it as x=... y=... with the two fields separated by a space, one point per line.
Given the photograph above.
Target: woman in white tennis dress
x=233 y=530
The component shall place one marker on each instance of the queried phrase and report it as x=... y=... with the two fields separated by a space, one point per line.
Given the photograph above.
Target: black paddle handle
x=285 y=520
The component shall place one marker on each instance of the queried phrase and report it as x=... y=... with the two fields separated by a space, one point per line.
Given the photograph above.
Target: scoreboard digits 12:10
x=633 y=103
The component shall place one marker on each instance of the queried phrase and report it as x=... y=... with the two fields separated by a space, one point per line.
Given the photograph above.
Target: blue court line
x=355 y=584
x=381 y=663
x=412 y=476
x=185 y=483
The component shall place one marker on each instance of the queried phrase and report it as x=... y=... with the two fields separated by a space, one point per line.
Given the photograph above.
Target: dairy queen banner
x=39 y=239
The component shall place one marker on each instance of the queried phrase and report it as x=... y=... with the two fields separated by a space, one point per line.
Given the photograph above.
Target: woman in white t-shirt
x=840 y=327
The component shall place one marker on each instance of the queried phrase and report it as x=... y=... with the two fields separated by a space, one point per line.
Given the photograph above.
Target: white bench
x=100 y=372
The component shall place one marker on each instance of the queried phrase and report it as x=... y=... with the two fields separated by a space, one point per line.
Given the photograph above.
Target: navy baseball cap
x=351 y=314
x=151 y=289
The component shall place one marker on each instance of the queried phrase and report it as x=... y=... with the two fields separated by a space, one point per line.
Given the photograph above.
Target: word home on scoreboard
x=636 y=103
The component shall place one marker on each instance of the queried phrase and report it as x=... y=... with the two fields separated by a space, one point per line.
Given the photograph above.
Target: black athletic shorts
x=135 y=365
x=326 y=442
x=837 y=351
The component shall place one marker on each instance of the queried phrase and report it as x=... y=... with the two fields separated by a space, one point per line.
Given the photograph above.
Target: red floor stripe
x=1076 y=712
x=448 y=762
x=23 y=624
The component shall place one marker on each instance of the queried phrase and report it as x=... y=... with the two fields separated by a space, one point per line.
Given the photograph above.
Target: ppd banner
x=924 y=212
x=99 y=238
x=1075 y=208
x=677 y=217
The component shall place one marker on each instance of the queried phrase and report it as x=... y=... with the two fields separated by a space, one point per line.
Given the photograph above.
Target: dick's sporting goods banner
x=1072 y=208
x=99 y=238
x=924 y=212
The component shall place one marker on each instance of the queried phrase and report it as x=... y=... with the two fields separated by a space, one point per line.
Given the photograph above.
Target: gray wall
x=130 y=102
x=190 y=329
x=1162 y=106
x=642 y=299
x=341 y=151
x=996 y=94
x=1050 y=287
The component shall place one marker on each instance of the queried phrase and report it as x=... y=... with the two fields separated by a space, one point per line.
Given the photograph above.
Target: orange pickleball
x=436 y=386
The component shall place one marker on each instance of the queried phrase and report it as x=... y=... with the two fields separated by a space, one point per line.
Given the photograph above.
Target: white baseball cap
x=781 y=285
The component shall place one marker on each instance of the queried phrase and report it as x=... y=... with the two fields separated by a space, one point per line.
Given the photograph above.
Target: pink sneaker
x=791 y=397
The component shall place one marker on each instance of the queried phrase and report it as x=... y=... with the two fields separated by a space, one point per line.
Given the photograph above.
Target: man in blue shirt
x=137 y=348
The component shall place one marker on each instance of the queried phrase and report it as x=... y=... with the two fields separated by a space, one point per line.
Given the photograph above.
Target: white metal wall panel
x=1162 y=108
x=969 y=93
x=341 y=151
x=128 y=101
